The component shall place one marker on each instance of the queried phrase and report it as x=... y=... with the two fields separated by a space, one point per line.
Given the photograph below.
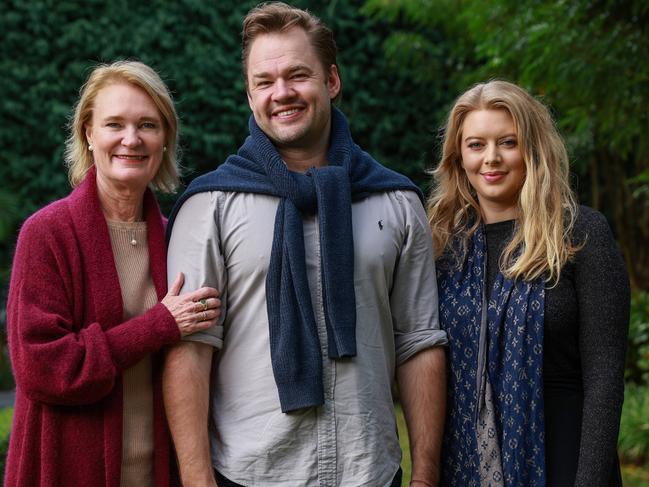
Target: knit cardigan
x=69 y=346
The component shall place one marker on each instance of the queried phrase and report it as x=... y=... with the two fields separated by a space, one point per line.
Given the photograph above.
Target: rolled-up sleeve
x=413 y=299
x=195 y=250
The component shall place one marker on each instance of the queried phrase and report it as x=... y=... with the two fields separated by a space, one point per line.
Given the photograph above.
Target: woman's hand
x=194 y=311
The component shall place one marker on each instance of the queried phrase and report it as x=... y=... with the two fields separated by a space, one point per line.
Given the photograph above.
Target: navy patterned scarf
x=512 y=361
x=350 y=175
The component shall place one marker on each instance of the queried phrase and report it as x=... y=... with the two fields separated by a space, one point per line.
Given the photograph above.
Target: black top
x=585 y=336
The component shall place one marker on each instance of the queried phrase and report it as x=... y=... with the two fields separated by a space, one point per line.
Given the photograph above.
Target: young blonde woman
x=534 y=296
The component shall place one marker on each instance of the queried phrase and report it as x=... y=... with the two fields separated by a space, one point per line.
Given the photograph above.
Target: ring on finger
x=204 y=303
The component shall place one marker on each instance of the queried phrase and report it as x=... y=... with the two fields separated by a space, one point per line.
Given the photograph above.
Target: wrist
x=421 y=483
x=424 y=474
x=198 y=478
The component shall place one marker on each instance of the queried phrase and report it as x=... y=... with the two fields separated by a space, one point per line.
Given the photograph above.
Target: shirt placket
x=326 y=414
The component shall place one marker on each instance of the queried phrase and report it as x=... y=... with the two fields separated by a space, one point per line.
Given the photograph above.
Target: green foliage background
x=402 y=63
x=582 y=57
x=49 y=47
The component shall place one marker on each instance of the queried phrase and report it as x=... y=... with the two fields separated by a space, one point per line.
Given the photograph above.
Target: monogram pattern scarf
x=509 y=357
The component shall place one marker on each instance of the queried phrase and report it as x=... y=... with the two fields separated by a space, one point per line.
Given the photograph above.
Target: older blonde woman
x=535 y=299
x=88 y=307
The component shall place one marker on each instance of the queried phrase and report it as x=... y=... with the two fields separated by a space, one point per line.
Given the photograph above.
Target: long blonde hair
x=541 y=243
x=77 y=155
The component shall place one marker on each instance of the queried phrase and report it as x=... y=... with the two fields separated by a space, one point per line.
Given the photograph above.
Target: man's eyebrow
x=290 y=70
x=299 y=67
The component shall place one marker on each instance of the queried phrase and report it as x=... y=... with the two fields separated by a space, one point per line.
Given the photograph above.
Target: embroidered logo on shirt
x=380 y=224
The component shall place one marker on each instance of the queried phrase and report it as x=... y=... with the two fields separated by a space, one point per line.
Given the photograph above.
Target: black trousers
x=223 y=482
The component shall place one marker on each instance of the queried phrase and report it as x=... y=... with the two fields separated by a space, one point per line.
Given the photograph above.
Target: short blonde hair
x=78 y=157
x=541 y=244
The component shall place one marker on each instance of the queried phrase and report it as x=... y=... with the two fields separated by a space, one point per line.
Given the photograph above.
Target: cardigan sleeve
x=58 y=359
x=603 y=298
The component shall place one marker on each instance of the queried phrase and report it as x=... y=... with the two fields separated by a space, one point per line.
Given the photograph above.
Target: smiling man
x=324 y=262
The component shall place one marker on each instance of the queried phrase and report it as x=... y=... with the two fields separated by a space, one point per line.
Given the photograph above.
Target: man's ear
x=333 y=81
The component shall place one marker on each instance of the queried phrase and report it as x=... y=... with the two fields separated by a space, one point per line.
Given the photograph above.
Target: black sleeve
x=603 y=295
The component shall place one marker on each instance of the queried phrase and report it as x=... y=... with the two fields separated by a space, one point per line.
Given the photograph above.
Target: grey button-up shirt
x=224 y=240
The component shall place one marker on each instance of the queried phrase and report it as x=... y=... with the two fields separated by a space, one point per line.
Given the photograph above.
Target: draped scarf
x=350 y=175
x=510 y=357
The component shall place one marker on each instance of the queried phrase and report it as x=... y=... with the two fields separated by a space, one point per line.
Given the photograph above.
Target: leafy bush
x=637 y=359
x=633 y=441
x=6 y=373
x=634 y=476
x=576 y=56
x=195 y=46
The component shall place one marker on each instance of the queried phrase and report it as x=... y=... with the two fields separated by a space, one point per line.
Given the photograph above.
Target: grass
x=405 y=448
x=6 y=415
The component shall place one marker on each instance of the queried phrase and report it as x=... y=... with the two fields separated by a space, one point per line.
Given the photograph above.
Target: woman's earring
x=90 y=147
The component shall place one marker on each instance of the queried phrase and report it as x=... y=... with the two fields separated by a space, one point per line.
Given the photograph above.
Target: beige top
x=130 y=249
x=224 y=240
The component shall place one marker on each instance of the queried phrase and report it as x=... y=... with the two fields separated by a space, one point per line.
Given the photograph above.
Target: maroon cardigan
x=69 y=346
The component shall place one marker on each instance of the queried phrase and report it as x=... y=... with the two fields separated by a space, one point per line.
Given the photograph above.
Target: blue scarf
x=350 y=175
x=514 y=367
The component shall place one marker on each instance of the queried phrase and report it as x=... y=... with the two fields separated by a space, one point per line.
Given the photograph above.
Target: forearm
x=422 y=391
x=58 y=359
x=134 y=339
x=186 y=386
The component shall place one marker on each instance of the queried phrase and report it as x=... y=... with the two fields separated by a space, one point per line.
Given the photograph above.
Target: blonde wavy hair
x=77 y=156
x=547 y=209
